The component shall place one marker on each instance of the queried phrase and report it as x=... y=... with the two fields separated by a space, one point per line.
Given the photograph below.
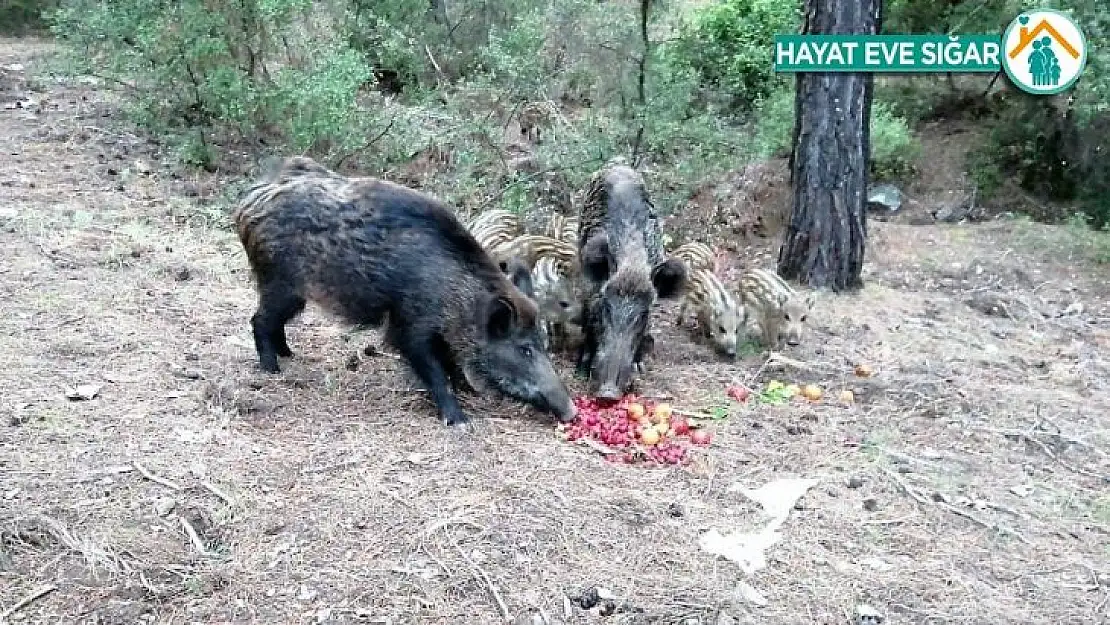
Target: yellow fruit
x=812 y=392
x=649 y=436
x=847 y=397
x=664 y=411
x=864 y=371
x=774 y=385
x=635 y=410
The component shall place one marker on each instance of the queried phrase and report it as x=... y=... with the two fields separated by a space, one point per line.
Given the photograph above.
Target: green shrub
x=894 y=149
x=729 y=44
x=20 y=17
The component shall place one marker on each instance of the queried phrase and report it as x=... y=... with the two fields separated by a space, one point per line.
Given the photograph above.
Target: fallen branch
x=901 y=519
x=596 y=446
x=145 y=472
x=1030 y=437
x=210 y=487
x=918 y=497
x=194 y=538
x=28 y=600
x=489 y=584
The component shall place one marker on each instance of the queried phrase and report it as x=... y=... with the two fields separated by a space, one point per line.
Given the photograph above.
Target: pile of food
x=634 y=430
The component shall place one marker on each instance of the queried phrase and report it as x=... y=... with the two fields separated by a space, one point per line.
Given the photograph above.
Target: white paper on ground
x=748 y=549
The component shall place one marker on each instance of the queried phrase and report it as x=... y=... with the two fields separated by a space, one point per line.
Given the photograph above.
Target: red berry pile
x=634 y=431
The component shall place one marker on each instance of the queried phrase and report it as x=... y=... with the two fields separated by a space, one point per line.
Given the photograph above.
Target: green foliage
x=775 y=129
x=894 y=149
x=426 y=90
x=729 y=44
x=19 y=17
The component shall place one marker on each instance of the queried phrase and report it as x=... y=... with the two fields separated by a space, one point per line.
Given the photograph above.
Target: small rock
x=112 y=171
x=307 y=594
x=143 y=168
x=885 y=198
x=163 y=506
x=83 y=392
x=188 y=373
x=370 y=350
x=855 y=482
x=352 y=363
x=588 y=599
x=528 y=618
x=675 y=510
x=182 y=274
x=871 y=504
x=867 y=615
x=750 y=594
x=608 y=608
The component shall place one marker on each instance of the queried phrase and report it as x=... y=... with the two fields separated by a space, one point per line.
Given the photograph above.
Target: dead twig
x=145 y=472
x=210 y=487
x=1030 y=436
x=489 y=584
x=194 y=538
x=918 y=497
x=28 y=600
x=367 y=145
x=439 y=70
x=343 y=464
x=901 y=519
x=60 y=324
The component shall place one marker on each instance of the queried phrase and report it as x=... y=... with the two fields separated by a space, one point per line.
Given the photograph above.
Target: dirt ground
x=967 y=484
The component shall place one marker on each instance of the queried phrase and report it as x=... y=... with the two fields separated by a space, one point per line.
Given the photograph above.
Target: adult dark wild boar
x=621 y=252
x=375 y=252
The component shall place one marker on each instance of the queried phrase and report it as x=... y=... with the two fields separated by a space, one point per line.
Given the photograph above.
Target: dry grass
x=963 y=487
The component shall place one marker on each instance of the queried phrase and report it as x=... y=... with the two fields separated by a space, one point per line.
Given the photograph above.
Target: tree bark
x=824 y=242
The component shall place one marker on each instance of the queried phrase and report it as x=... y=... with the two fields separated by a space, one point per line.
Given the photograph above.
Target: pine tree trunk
x=824 y=243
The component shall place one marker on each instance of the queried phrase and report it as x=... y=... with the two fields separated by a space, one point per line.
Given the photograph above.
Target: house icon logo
x=1044 y=52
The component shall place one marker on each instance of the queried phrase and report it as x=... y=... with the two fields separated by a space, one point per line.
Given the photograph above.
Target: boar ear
x=500 y=317
x=596 y=258
x=669 y=278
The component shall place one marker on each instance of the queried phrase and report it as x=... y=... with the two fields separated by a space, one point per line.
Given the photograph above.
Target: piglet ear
x=596 y=258
x=519 y=275
x=669 y=278
x=500 y=317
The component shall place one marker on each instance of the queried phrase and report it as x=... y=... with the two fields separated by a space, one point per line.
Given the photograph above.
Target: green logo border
x=1006 y=58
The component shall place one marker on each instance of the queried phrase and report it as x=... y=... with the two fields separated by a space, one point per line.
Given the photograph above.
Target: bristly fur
x=625 y=269
x=371 y=251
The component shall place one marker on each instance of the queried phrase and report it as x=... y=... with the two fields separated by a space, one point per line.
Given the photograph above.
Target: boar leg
x=278 y=302
x=426 y=364
x=586 y=352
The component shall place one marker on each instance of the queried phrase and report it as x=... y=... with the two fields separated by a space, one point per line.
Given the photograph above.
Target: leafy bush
x=729 y=44
x=18 y=17
x=893 y=146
